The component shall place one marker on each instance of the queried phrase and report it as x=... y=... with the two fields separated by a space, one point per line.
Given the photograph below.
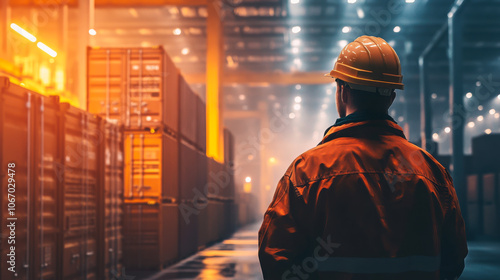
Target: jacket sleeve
x=453 y=242
x=281 y=242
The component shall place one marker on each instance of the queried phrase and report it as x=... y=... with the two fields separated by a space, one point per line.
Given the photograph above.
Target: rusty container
x=188 y=115
x=201 y=125
x=491 y=207
x=150 y=235
x=151 y=166
x=136 y=87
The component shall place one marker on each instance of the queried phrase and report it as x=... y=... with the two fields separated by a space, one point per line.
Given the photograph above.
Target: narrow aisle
x=234 y=258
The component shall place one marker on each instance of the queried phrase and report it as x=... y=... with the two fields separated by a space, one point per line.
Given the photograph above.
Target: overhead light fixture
x=296 y=107
x=23 y=32
x=92 y=32
x=434 y=96
x=469 y=95
x=410 y=1
x=296 y=29
x=242 y=97
x=177 y=31
x=351 y=1
x=471 y=124
x=185 y=51
x=298 y=87
x=447 y=129
x=298 y=99
x=480 y=118
x=342 y=43
x=46 y=49
x=295 y=1
x=295 y=50
x=360 y=12
x=492 y=111
x=487 y=131
x=396 y=29
x=346 y=29
x=296 y=42
x=248 y=179
x=435 y=136
x=480 y=107
x=291 y=115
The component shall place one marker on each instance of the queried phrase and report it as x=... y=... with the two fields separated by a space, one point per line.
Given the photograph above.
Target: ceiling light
x=346 y=29
x=480 y=107
x=469 y=95
x=434 y=96
x=295 y=1
x=298 y=87
x=46 y=49
x=185 y=51
x=248 y=179
x=497 y=115
x=342 y=43
x=351 y=1
x=487 y=131
x=296 y=42
x=291 y=115
x=447 y=129
x=23 y=32
x=296 y=29
x=492 y=111
x=410 y=1
x=298 y=99
x=177 y=31
x=92 y=32
x=435 y=136
x=360 y=13
x=480 y=118
x=295 y=50
x=471 y=124
x=296 y=107
x=397 y=29
x=242 y=97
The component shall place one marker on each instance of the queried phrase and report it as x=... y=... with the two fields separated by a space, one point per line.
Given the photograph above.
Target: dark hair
x=368 y=101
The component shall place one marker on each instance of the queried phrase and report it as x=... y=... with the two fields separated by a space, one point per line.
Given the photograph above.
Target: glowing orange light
x=92 y=32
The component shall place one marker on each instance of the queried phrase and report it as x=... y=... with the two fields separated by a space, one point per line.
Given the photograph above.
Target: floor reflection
x=236 y=258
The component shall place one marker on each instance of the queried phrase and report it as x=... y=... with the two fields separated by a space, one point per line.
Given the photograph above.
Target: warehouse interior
x=148 y=136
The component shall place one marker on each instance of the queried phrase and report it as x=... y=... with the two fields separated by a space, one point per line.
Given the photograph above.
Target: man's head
x=367 y=73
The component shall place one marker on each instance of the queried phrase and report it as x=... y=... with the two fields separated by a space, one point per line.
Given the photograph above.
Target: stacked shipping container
x=57 y=157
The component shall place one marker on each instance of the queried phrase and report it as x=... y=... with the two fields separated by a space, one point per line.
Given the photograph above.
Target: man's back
x=386 y=208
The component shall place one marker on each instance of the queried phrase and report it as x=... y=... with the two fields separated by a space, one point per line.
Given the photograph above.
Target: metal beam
x=263 y=79
x=457 y=114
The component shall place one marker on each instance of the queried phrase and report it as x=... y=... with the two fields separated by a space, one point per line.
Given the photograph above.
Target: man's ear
x=344 y=93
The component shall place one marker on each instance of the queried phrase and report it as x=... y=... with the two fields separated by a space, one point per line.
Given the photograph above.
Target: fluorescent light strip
x=46 y=49
x=23 y=32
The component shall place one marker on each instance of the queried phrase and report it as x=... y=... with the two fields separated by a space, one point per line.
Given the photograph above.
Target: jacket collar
x=362 y=128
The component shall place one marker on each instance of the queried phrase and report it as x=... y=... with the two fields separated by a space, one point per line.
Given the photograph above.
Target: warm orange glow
x=46 y=49
x=44 y=75
x=247 y=187
x=23 y=32
x=92 y=32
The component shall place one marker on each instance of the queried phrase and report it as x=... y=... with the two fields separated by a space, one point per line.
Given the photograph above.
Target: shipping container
x=474 y=207
x=485 y=153
x=110 y=198
x=189 y=162
x=491 y=204
x=188 y=112
x=201 y=124
x=151 y=235
x=136 y=87
x=17 y=122
x=222 y=176
x=188 y=233
x=151 y=166
x=228 y=148
x=81 y=135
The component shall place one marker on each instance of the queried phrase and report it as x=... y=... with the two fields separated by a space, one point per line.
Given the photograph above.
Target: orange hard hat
x=369 y=63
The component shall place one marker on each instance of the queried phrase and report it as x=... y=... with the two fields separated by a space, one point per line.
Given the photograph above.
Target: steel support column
x=214 y=73
x=455 y=34
x=4 y=25
x=81 y=51
x=425 y=97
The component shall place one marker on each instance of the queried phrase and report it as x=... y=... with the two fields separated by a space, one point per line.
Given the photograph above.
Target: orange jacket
x=363 y=204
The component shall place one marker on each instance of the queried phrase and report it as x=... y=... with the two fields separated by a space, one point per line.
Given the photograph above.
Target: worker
x=364 y=203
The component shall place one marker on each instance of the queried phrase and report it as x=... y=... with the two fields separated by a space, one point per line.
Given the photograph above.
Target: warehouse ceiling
x=295 y=36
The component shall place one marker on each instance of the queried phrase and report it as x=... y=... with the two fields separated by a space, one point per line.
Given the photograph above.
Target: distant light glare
x=434 y=96
x=351 y=1
x=346 y=29
x=296 y=107
x=92 y=32
x=296 y=29
x=298 y=99
x=435 y=136
x=447 y=129
x=185 y=51
x=342 y=43
x=272 y=159
x=295 y=1
x=329 y=91
x=471 y=124
x=296 y=42
x=46 y=49
x=492 y=111
x=242 y=97
x=410 y=1
x=295 y=50
x=360 y=13
x=469 y=95
x=480 y=107
x=498 y=96
x=487 y=131
x=480 y=118
x=23 y=32
x=298 y=87
x=177 y=31
x=397 y=29
x=497 y=115
x=248 y=179
x=291 y=115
